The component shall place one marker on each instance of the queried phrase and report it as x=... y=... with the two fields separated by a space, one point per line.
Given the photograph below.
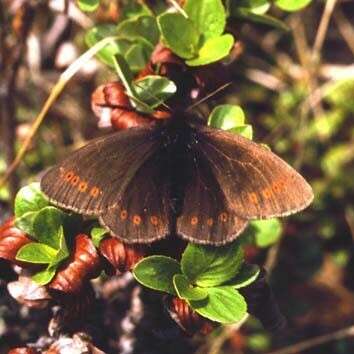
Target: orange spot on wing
x=75 y=180
x=210 y=222
x=223 y=217
x=83 y=186
x=154 y=220
x=278 y=186
x=123 y=214
x=69 y=175
x=94 y=192
x=136 y=219
x=253 y=198
x=267 y=193
x=194 y=220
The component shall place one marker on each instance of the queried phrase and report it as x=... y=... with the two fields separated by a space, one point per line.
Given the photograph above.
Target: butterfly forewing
x=91 y=175
x=255 y=182
x=206 y=217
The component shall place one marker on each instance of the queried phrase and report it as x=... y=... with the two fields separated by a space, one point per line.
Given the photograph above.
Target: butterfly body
x=176 y=176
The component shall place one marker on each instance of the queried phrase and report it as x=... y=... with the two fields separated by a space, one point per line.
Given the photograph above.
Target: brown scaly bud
x=23 y=350
x=111 y=105
x=121 y=256
x=110 y=95
x=188 y=319
x=83 y=264
x=11 y=240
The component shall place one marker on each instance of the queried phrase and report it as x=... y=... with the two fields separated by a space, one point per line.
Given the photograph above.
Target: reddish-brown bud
x=163 y=55
x=11 y=240
x=123 y=119
x=83 y=264
x=122 y=256
x=111 y=105
x=111 y=94
x=188 y=319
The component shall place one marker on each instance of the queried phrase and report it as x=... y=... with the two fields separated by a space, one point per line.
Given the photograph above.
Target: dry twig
x=314 y=342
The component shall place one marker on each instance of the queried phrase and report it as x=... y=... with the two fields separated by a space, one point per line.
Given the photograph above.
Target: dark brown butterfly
x=176 y=177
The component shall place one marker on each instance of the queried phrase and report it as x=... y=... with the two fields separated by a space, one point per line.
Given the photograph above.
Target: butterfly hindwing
x=206 y=217
x=84 y=181
x=142 y=214
x=256 y=183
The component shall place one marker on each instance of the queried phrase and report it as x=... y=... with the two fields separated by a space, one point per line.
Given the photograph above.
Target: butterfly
x=176 y=176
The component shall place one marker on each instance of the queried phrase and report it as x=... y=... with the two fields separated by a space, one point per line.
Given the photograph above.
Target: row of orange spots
x=136 y=219
x=223 y=217
x=82 y=186
x=267 y=193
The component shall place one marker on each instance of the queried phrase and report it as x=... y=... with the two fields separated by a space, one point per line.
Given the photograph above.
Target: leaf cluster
x=207 y=278
x=47 y=226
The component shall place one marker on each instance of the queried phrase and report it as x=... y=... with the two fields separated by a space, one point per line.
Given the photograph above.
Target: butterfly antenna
x=211 y=94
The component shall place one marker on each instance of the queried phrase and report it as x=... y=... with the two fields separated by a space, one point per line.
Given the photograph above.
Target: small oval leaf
x=185 y=290
x=208 y=16
x=208 y=266
x=154 y=90
x=247 y=275
x=179 y=34
x=35 y=252
x=48 y=226
x=223 y=304
x=29 y=199
x=156 y=272
x=226 y=117
x=213 y=49
x=291 y=5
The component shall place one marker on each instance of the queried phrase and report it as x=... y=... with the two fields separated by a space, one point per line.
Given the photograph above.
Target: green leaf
x=291 y=5
x=213 y=50
x=247 y=275
x=137 y=56
x=106 y=54
x=139 y=27
x=131 y=9
x=179 y=34
x=259 y=7
x=208 y=16
x=264 y=232
x=224 y=304
x=156 y=272
x=185 y=290
x=88 y=5
x=226 y=117
x=62 y=252
x=45 y=276
x=29 y=199
x=245 y=130
x=154 y=90
x=25 y=222
x=48 y=226
x=126 y=76
x=98 y=234
x=35 y=252
x=208 y=266
x=249 y=15
x=339 y=93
